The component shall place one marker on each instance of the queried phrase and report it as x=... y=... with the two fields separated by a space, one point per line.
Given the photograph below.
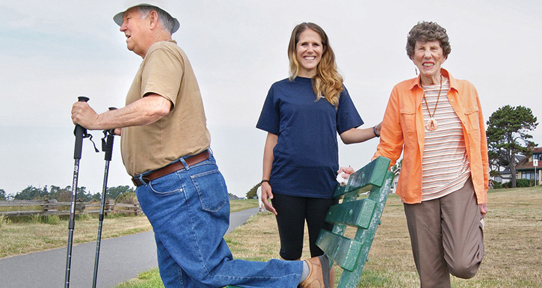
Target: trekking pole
x=107 y=147
x=80 y=133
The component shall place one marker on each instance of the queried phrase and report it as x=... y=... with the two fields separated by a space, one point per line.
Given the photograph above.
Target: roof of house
x=527 y=162
x=524 y=163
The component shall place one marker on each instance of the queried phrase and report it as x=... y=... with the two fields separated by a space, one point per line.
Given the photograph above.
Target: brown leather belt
x=170 y=169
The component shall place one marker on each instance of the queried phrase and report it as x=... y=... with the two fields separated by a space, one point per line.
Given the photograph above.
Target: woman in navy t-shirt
x=302 y=115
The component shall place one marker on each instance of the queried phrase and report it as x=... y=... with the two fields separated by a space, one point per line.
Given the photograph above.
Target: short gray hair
x=428 y=31
x=165 y=19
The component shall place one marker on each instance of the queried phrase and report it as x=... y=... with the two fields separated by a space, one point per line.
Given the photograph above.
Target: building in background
x=526 y=167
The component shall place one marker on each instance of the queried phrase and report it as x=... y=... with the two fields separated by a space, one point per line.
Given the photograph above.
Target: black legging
x=292 y=213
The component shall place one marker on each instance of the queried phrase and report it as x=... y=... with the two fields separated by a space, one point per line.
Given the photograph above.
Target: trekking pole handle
x=80 y=131
x=83 y=98
x=108 y=149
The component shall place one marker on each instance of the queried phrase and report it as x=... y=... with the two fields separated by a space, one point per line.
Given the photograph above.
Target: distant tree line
x=64 y=194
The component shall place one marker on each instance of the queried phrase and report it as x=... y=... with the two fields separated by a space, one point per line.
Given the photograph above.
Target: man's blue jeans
x=189 y=212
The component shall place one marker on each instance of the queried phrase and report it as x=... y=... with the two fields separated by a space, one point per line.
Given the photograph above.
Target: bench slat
x=344 y=251
x=355 y=213
x=364 y=179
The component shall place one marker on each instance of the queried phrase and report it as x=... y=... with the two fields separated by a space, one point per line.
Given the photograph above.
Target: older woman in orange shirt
x=436 y=121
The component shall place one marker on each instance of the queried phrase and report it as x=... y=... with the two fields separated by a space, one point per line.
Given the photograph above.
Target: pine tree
x=507 y=136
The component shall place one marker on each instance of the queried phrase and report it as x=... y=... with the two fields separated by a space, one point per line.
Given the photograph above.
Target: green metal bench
x=361 y=214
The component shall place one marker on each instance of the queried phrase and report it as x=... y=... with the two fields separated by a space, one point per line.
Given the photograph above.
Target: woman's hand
x=347 y=171
x=483 y=209
x=267 y=193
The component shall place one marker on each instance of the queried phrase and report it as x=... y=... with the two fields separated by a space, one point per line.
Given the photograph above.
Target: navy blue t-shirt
x=306 y=157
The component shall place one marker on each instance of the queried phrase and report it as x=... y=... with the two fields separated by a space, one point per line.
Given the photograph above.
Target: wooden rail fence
x=52 y=207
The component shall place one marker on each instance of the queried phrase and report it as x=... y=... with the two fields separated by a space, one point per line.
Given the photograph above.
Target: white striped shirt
x=445 y=165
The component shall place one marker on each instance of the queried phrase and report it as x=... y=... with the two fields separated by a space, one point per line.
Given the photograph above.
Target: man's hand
x=83 y=115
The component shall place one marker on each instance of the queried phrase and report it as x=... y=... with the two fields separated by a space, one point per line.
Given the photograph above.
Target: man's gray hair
x=165 y=19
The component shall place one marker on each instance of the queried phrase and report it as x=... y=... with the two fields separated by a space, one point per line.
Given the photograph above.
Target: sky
x=53 y=51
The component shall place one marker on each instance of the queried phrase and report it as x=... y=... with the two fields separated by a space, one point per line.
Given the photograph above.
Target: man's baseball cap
x=118 y=17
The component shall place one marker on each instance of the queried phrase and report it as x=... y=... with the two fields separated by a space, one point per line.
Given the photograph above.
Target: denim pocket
x=166 y=185
x=211 y=188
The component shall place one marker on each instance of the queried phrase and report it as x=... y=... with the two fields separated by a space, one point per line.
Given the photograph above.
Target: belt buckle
x=141 y=179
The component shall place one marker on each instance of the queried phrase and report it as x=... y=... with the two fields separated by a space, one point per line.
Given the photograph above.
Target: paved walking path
x=121 y=259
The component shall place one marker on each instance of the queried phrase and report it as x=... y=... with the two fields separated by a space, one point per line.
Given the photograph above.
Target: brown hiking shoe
x=318 y=273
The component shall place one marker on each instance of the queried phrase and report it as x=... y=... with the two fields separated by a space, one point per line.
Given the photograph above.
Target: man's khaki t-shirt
x=165 y=71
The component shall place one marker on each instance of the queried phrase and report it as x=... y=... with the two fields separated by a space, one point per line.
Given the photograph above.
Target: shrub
x=523 y=183
x=127 y=198
x=520 y=183
x=83 y=216
x=52 y=219
x=115 y=215
x=36 y=218
x=4 y=220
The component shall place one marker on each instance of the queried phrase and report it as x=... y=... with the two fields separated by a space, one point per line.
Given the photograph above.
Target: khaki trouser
x=446 y=237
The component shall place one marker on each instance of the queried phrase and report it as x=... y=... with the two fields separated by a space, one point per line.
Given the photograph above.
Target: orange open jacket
x=403 y=128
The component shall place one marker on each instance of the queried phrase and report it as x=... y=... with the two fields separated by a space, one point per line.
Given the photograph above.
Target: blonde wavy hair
x=327 y=82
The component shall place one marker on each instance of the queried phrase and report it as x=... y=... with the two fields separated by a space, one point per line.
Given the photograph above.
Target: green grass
x=148 y=279
x=238 y=205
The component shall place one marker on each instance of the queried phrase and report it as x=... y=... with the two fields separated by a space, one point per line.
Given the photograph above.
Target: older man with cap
x=165 y=148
